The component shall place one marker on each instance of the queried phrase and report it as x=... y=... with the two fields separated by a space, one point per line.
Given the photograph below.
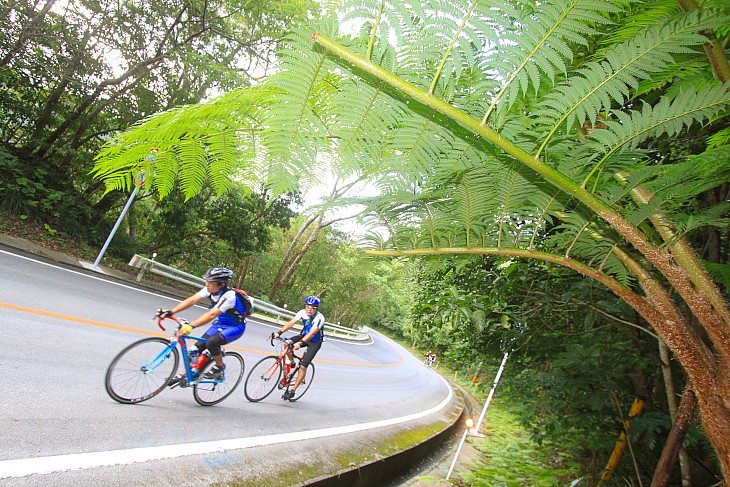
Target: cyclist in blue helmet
x=311 y=337
x=226 y=312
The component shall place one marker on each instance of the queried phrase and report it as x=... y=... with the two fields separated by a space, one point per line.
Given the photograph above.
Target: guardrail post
x=145 y=267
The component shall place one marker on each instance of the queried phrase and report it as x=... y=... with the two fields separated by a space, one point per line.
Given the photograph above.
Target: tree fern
x=598 y=86
x=235 y=116
x=541 y=45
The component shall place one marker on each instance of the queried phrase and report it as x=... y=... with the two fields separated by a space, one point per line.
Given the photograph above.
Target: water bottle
x=193 y=352
x=203 y=357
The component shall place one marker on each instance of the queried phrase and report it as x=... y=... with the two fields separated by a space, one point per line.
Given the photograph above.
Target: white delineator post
x=481 y=417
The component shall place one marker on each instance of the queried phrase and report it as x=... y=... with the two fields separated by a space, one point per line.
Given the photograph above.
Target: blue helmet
x=312 y=301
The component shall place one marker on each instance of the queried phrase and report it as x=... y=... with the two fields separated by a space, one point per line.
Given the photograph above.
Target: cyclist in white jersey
x=226 y=312
x=311 y=337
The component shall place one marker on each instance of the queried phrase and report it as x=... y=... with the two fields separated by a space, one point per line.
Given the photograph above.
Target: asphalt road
x=62 y=326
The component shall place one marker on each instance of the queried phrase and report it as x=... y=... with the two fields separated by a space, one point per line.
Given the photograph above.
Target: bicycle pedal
x=178 y=381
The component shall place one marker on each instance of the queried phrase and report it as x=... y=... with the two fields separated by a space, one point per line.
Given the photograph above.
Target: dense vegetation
x=75 y=73
x=578 y=358
x=564 y=186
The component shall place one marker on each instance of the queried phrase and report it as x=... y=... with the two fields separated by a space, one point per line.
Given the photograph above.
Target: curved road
x=61 y=327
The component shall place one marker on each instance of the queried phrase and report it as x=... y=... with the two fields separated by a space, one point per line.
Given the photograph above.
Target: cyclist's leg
x=312 y=349
x=221 y=335
x=214 y=344
x=294 y=339
x=306 y=372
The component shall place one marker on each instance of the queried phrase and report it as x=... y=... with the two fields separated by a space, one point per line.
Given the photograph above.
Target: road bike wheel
x=306 y=383
x=142 y=370
x=262 y=379
x=207 y=393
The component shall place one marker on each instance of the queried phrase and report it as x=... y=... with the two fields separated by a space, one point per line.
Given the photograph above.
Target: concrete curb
x=387 y=470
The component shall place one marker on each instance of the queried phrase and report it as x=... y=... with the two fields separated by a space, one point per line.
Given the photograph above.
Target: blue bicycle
x=146 y=367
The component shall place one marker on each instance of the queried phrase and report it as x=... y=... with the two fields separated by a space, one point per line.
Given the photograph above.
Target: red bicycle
x=275 y=371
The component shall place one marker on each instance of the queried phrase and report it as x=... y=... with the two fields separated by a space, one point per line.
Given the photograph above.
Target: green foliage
x=355 y=290
x=190 y=234
x=41 y=193
x=511 y=459
x=72 y=78
x=515 y=129
x=582 y=111
x=573 y=361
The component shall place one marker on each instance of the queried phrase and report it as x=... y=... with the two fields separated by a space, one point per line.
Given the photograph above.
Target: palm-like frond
x=295 y=131
x=599 y=85
x=632 y=128
x=650 y=14
x=382 y=18
x=484 y=57
x=541 y=45
x=166 y=145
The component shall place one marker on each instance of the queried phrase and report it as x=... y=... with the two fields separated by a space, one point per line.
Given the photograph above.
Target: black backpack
x=247 y=303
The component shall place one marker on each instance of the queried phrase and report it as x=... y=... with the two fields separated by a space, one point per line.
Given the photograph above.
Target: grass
x=43 y=235
x=509 y=458
x=47 y=237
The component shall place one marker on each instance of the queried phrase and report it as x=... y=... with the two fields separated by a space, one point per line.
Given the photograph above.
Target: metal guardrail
x=282 y=315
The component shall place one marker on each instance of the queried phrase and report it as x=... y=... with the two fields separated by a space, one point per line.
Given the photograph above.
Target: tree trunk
x=684 y=463
x=672 y=447
x=292 y=257
x=50 y=105
x=243 y=270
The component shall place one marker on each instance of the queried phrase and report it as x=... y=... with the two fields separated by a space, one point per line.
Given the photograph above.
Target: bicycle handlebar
x=161 y=318
x=288 y=342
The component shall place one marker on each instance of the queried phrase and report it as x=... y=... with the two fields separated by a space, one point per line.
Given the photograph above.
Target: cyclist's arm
x=315 y=329
x=287 y=325
x=206 y=317
x=311 y=333
x=186 y=303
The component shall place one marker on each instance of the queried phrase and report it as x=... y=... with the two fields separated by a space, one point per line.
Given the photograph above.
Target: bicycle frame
x=281 y=362
x=174 y=342
x=132 y=377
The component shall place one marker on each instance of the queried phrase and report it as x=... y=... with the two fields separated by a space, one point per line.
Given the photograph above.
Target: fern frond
x=720 y=273
x=416 y=144
x=720 y=138
x=512 y=191
x=381 y=19
x=235 y=115
x=664 y=118
x=595 y=87
x=651 y=13
x=362 y=127
x=298 y=113
x=541 y=43
x=714 y=216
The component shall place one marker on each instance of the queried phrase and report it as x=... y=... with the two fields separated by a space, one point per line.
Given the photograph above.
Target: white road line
x=85 y=274
x=80 y=461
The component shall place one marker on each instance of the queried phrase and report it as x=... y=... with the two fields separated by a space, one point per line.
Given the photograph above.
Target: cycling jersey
x=225 y=300
x=317 y=321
